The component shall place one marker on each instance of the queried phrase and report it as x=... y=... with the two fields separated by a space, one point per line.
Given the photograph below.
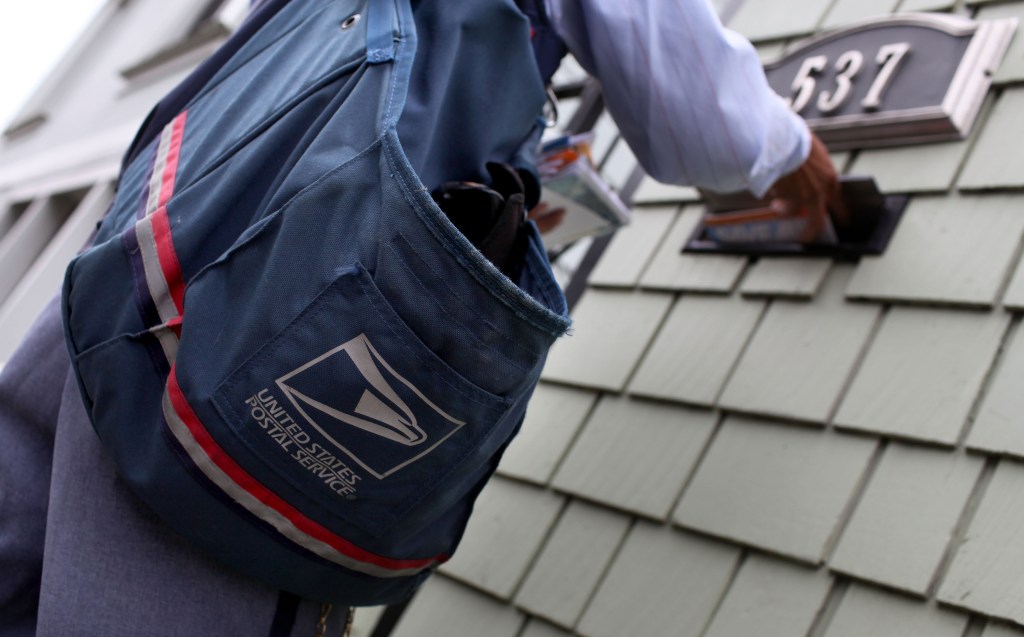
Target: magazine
x=569 y=181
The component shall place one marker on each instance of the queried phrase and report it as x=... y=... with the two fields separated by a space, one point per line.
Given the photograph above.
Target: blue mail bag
x=291 y=353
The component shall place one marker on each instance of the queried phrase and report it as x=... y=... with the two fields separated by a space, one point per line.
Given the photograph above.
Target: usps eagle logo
x=367 y=410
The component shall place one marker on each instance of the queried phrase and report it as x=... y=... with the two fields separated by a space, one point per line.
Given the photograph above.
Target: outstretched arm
x=689 y=96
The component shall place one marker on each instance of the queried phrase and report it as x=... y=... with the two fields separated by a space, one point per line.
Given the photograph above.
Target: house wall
x=728 y=446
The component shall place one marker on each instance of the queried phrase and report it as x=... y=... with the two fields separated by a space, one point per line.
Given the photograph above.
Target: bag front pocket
x=348 y=411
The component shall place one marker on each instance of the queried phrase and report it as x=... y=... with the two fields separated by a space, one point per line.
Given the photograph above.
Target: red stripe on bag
x=253 y=487
x=173 y=154
x=175 y=326
x=169 y=264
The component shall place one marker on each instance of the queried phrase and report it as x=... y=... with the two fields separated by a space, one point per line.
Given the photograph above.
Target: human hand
x=814 y=185
x=546 y=220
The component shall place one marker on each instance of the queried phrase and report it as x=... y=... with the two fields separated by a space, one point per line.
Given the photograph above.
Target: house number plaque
x=898 y=80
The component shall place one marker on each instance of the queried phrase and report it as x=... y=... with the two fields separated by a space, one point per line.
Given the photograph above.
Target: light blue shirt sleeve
x=689 y=96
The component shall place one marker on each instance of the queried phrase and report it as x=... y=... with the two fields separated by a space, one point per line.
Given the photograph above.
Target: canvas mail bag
x=292 y=355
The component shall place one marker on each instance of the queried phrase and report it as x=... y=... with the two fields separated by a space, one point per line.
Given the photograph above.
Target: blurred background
x=33 y=36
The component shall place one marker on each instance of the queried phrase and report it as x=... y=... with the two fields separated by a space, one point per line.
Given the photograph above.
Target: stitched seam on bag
x=486 y=320
x=213 y=85
x=372 y=296
x=302 y=498
x=271 y=119
x=545 y=288
x=385 y=121
x=547 y=322
x=486 y=278
x=508 y=337
x=402 y=52
x=309 y=314
x=452 y=318
x=106 y=344
x=139 y=339
x=330 y=173
x=318 y=305
x=315 y=306
x=282 y=210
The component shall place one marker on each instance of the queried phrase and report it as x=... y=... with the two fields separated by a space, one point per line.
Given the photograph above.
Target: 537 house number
x=847 y=66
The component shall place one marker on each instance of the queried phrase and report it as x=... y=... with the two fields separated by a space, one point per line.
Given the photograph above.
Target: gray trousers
x=80 y=555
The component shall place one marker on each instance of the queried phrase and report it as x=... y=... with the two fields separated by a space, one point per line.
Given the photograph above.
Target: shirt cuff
x=786 y=148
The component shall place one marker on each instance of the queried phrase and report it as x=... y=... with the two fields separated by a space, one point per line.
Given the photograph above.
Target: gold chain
x=349 y=621
x=321 y=625
x=325 y=613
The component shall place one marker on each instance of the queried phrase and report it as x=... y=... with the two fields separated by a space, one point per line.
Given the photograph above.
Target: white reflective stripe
x=156 y=180
x=262 y=511
x=158 y=288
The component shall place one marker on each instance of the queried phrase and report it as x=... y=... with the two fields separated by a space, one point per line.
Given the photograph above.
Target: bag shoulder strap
x=548 y=46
